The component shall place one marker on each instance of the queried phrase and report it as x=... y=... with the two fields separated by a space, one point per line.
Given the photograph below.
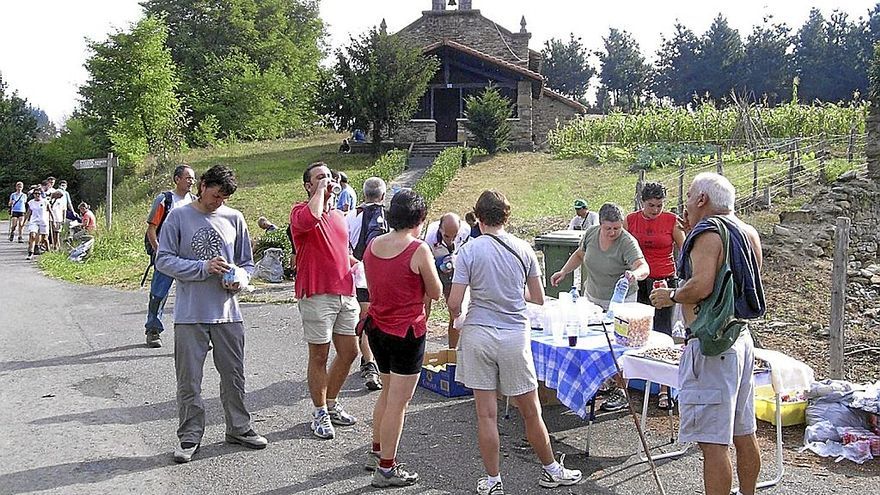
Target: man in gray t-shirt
x=206 y=247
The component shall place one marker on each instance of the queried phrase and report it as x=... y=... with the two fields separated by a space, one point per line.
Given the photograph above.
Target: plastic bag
x=831 y=409
x=269 y=268
x=821 y=432
x=81 y=252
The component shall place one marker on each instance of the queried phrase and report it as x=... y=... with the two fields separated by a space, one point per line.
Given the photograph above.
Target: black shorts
x=401 y=356
x=363 y=295
x=17 y=214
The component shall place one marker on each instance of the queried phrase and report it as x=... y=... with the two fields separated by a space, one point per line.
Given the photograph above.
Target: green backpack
x=716 y=324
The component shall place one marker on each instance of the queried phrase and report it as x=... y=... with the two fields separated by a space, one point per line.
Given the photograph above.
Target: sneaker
x=483 y=487
x=370 y=374
x=565 y=477
x=153 y=339
x=249 y=439
x=616 y=401
x=11 y=236
x=396 y=477
x=372 y=463
x=185 y=451
x=339 y=417
x=29 y=257
x=20 y=240
x=321 y=425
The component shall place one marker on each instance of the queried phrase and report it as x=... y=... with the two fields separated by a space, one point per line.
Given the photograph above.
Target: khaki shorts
x=326 y=314
x=492 y=358
x=716 y=399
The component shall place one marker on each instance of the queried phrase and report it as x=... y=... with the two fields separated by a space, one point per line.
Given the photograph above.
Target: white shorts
x=326 y=314
x=716 y=400
x=38 y=228
x=499 y=359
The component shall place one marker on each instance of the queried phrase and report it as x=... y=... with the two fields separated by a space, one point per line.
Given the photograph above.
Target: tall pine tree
x=720 y=60
x=623 y=72
x=675 y=73
x=767 y=66
x=566 y=67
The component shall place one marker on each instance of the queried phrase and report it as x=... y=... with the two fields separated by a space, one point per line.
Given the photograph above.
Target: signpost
x=109 y=163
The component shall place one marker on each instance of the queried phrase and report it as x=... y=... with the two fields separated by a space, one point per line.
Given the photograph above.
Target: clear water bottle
x=574 y=293
x=678 y=330
x=620 y=290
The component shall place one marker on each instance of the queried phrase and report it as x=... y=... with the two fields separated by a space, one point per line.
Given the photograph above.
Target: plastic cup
x=572 y=340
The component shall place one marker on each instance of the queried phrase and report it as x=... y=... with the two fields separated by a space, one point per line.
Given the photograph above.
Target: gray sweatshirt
x=188 y=239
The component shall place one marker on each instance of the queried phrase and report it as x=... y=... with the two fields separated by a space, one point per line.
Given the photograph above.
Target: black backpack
x=372 y=225
x=167 y=202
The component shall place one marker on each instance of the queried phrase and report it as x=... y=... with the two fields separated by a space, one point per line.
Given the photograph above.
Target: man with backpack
x=184 y=177
x=364 y=223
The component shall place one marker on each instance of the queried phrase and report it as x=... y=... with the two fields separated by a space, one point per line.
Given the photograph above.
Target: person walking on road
x=206 y=247
x=716 y=393
x=17 y=209
x=160 y=285
x=400 y=273
x=502 y=272
x=37 y=219
x=325 y=289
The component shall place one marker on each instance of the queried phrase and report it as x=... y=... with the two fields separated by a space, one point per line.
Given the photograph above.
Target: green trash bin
x=557 y=248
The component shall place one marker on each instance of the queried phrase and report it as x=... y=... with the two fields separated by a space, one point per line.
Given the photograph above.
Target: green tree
x=129 y=102
x=623 y=72
x=57 y=157
x=487 y=115
x=767 y=65
x=720 y=60
x=675 y=72
x=566 y=67
x=874 y=96
x=18 y=139
x=846 y=60
x=381 y=80
x=810 y=57
x=271 y=50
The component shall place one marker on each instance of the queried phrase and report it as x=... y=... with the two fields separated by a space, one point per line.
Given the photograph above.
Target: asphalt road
x=86 y=408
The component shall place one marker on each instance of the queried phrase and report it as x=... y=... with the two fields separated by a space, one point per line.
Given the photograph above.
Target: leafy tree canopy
x=566 y=67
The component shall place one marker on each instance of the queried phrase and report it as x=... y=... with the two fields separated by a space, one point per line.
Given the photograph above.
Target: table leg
x=590 y=424
x=644 y=420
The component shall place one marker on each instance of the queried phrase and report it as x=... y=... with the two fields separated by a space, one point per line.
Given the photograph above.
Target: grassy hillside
x=270 y=181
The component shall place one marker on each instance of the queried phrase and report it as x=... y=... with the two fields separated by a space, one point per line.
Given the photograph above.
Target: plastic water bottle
x=574 y=293
x=620 y=290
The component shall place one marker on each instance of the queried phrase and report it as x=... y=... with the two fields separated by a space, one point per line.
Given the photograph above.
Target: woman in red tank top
x=658 y=233
x=400 y=273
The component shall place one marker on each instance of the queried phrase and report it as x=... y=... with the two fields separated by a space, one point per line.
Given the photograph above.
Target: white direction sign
x=91 y=163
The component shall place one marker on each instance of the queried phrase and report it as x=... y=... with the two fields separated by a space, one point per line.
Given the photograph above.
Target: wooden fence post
x=767 y=197
x=680 y=186
x=791 y=170
x=850 y=148
x=823 y=150
x=754 y=180
x=640 y=185
x=719 y=161
x=838 y=297
x=797 y=154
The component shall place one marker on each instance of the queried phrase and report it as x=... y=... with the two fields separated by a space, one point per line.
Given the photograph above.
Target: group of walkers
x=364 y=281
x=716 y=387
x=42 y=213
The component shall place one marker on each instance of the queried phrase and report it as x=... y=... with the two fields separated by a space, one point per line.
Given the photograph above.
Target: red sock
x=376 y=447
x=386 y=463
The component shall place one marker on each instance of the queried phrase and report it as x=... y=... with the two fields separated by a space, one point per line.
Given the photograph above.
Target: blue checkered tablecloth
x=576 y=373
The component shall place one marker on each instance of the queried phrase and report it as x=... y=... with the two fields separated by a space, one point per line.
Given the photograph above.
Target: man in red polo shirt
x=327 y=303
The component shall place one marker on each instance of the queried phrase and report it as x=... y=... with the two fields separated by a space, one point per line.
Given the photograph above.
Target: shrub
x=387 y=167
x=487 y=115
x=435 y=180
x=274 y=239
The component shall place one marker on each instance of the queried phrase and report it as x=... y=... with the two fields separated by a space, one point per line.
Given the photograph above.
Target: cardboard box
x=438 y=374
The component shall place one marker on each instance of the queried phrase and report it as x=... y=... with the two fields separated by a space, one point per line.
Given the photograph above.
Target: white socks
x=553 y=468
x=493 y=480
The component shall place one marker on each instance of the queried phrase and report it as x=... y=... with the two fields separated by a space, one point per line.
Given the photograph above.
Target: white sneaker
x=565 y=477
x=321 y=425
x=483 y=487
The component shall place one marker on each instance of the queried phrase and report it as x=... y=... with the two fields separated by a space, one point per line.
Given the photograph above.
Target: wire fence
x=763 y=175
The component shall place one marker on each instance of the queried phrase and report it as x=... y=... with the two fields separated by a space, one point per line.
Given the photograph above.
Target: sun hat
x=579 y=203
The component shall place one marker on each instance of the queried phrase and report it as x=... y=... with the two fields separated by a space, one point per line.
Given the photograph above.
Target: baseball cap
x=579 y=203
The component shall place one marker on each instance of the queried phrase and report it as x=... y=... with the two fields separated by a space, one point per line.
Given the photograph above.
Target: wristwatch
x=672 y=296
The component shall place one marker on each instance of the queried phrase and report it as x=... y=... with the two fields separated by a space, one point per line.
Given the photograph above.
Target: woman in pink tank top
x=400 y=273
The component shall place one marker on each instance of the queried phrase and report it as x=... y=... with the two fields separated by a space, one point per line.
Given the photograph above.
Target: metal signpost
x=109 y=163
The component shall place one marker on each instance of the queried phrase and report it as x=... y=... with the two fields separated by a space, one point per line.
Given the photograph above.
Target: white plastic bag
x=269 y=268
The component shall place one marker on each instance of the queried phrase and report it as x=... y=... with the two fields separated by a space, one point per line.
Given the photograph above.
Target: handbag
x=716 y=324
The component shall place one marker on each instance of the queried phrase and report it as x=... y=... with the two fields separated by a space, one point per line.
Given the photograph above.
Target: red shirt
x=655 y=238
x=323 y=265
x=88 y=221
x=397 y=295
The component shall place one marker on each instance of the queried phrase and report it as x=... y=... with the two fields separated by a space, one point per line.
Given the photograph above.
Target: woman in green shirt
x=607 y=253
